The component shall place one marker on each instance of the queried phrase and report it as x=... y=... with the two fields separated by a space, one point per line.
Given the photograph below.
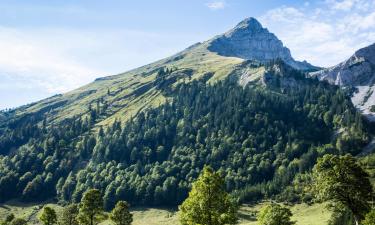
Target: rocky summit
x=249 y=40
x=358 y=72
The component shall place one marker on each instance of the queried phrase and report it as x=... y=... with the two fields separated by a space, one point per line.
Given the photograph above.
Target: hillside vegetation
x=260 y=136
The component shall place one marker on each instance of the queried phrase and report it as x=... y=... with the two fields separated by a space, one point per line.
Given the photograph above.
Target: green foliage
x=48 y=216
x=370 y=218
x=91 y=208
x=341 y=215
x=18 y=221
x=8 y=219
x=208 y=203
x=275 y=214
x=69 y=215
x=120 y=215
x=341 y=179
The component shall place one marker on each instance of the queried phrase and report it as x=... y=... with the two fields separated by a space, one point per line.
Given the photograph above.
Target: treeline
x=90 y=211
x=337 y=180
x=257 y=136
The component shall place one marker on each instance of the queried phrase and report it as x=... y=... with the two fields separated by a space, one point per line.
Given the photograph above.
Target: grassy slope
x=122 y=100
x=303 y=214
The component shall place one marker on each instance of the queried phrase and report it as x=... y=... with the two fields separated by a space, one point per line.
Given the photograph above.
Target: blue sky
x=50 y=47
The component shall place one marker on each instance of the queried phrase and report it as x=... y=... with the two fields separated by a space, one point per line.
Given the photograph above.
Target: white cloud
x=345 y=5
x=216 y=5
x=325 y=35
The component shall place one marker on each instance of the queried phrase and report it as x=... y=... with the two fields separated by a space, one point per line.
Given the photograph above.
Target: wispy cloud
x=326 y=34
x=216 y=5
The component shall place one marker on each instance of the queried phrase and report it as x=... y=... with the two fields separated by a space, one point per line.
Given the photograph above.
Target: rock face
x=249 y=40
x=359 y=72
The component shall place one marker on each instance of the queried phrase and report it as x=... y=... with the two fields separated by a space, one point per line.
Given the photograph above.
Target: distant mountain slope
x=249 y=40
x=359 y=72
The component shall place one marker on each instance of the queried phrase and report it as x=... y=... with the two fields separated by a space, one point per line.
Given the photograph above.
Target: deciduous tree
x=275 y=214
x=48 y=216
x=69 y=215
x=208 y=203
x=341 y=180
x=120 y=215
x=91 y=208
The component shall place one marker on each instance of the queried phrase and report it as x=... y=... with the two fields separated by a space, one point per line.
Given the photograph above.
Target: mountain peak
x=249 y=23
x=250 y=40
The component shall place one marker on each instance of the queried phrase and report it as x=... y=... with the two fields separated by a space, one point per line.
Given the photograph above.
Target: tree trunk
x=356 y=220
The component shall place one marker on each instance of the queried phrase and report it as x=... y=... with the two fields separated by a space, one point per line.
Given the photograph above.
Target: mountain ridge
x=357 y=73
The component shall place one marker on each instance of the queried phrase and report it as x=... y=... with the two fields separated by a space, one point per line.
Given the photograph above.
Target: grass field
x=303 y=214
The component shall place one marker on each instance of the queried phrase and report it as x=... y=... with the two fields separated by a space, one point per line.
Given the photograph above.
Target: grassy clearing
x=303 y=214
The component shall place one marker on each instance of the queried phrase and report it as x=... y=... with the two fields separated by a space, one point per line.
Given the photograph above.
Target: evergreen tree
x=120 y=215
x=208 y=203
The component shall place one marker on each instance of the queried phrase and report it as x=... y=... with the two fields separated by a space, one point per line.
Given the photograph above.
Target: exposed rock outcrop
x=359 y=72
x=249 y=40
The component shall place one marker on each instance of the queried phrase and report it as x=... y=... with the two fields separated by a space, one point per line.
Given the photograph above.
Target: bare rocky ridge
x=359 y=72
x=249 y=40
